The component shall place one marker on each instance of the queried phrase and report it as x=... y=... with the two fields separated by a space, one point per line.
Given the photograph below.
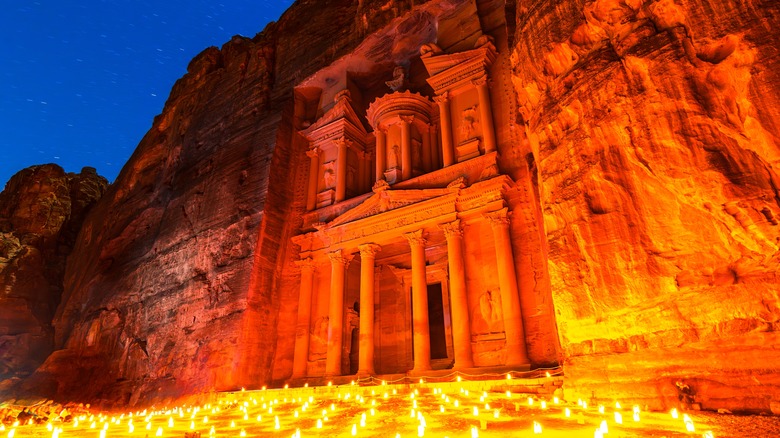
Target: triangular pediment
x=387 y=200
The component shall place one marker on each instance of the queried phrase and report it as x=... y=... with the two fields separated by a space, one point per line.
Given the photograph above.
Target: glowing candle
x=159 y=432
x=414 y=404
x=567 y=413
x=601 y=409
x=474 y=432
x=205 y=418
x=103 y=433
x=212 y=431
x=243 y=433
x=319 y=423
x=598 y=434
x=476 y=411
x=131 y=428
x=675 y=415
x=421 y=430
x=636 y=416
x=530 y=401
x=708 y=434
x=11 y=433
x=544 y=404
x=232 y=423
x=618 y=418
x=259 y=418
x=508 y=376
x=547 y=374
x=441 y=408
x=373 y=412
x=537 y=428
x=509 y=394
x=354 y=429
x=604 y=428
x=363 y=420
x=495 y=413
x=456 y=403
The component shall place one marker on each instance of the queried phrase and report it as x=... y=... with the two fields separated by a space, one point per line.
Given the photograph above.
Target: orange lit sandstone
x=586 y=184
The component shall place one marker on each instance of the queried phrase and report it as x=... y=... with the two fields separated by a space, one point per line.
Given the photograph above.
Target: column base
x=365 y=374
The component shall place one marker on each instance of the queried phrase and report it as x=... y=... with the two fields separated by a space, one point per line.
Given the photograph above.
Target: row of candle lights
x=312 y=409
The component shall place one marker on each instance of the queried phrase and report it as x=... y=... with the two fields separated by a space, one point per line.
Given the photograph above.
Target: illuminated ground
x=458 y=409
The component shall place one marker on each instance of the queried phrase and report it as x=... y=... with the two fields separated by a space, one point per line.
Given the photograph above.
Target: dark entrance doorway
x=436 y=322
x=354 y=351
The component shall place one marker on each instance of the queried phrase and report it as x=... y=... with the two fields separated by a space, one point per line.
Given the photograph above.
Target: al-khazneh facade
x=406 y=263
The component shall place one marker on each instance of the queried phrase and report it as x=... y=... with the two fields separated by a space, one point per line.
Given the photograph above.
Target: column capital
x=498 y=218
x=415 y=238
x=452 y=229
x=306 y=264
x=313 y=152
x=342 y=142
x=380 y=128
x=339 y=257
x=369 y=250
x=482 y=80
x=442 y=98
x=409 y=119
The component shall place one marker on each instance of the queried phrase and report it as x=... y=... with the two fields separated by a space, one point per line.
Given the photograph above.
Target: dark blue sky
x=82 y=80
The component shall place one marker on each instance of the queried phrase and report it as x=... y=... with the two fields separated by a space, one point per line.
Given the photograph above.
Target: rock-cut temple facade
x=406 y=262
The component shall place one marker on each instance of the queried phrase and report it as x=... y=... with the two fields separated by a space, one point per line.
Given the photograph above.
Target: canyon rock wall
x=41 y=212
x=654 y=128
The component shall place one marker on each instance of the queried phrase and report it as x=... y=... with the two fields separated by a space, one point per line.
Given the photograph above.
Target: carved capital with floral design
x=306 y=265
x=313 y=152
x=340 y=257
x=480 y=81
x=498 y=218
x=416 y=239
x=452 y=229
x=442 y=98
x=368 y=250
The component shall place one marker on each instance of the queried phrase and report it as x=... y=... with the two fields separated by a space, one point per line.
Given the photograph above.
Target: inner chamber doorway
x=436 y=322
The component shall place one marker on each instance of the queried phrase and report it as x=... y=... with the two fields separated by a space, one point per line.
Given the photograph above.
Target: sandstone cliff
x=654 y=129
x=642 y=139
x=41 y=212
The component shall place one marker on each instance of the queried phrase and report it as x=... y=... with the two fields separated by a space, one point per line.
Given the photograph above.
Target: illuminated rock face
x=653 y=126
x=632 y=161
x=41 y=212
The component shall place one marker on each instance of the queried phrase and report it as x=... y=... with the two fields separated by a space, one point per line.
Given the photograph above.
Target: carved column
x=314 y=173
x=486 y=114
x=447 y=151
x=301 y=355
x=338 y=267
x=461 y=329
x=421 y=336
x=406 y=147
x=381 y=152
x=366 y=358
x=427 y=166
x=510 y=298
x=435 y=159
x=341 y=169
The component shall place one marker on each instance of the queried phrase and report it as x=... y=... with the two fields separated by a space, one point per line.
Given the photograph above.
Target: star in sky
x=83 y=80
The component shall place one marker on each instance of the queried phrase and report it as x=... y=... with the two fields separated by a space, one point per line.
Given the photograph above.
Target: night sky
x=83 y=80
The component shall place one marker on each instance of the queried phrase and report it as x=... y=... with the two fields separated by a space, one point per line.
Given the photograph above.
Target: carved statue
x=330 y=175
x=487 y=317
x=395 y=157
x=399 y=76
x=470 y=123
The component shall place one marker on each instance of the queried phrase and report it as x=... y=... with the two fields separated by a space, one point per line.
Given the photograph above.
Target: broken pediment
x=339 y=121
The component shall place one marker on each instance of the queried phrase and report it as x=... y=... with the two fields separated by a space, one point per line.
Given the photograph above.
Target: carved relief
x=487 y=316
x=395 y=156
x=469 y=126
x=329 y=175
x=319 y=338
